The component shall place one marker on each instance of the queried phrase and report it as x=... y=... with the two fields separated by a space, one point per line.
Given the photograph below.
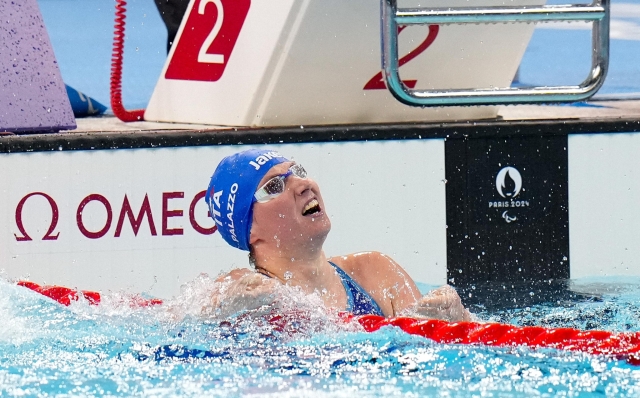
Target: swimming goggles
x=275 y=186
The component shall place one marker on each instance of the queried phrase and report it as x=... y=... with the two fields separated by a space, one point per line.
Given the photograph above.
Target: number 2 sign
x=377 y=83
x=207 y=40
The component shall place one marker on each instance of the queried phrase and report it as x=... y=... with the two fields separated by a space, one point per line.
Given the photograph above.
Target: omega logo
x=54 y=218
x=126 y=213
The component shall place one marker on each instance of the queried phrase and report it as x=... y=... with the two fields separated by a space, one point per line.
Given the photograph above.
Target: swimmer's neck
x=312 y=272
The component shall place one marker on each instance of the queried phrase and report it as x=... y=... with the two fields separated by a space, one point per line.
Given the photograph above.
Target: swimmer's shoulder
x=363 y=265
x=234 y=275
x=373 y=269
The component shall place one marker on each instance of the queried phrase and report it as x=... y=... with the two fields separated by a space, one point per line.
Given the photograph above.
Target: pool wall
x=376 y=196
x=65 y=219
x=604 y=199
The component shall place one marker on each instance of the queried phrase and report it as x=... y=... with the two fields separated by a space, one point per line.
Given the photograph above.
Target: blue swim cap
x=230 y=193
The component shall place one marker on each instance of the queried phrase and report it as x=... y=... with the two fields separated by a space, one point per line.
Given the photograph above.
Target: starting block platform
x=284 y=62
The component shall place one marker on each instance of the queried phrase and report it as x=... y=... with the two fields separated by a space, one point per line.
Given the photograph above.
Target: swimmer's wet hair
x=252 y=258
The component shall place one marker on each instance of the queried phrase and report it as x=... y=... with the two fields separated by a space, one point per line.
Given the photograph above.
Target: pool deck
x=107 y=132
x=607 y=110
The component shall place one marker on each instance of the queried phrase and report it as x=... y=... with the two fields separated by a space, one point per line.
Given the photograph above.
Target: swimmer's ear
x=253 y=239
x=254 y=234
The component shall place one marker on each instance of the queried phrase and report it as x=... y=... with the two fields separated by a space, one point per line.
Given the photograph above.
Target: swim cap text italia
x=230 y=192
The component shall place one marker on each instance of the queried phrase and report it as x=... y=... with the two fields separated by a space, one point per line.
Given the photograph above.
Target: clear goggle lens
x=275 y=185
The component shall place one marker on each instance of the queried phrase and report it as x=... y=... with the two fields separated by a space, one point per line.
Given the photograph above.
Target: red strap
x=621 y=345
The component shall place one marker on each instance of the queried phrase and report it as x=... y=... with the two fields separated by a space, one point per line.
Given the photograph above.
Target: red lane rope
x=65 y=295
x=620 y=345
x=116 y=68
x=598 y=342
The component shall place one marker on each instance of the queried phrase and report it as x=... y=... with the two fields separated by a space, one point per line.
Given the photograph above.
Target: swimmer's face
x=295 y=218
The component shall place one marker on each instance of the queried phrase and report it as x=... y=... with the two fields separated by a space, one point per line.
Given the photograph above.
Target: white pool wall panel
x=604 y=203
x=387 y=196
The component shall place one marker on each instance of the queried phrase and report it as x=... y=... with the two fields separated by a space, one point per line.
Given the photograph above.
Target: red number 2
x=377 y=83
x=207 y=40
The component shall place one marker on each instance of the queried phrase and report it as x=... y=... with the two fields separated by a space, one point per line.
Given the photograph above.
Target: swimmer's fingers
x=255 y=282
x=443 y=303
x=250 y=292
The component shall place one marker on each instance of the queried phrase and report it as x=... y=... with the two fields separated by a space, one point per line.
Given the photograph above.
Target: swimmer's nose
x=301 y=186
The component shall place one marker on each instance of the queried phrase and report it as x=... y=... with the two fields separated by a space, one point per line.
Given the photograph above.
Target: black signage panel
x=507 y=209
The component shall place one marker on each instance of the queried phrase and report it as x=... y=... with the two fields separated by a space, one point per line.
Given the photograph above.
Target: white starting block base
x=308 y=62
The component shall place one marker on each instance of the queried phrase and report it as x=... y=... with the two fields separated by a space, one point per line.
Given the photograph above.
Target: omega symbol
x=509 y=182
x=52 y=226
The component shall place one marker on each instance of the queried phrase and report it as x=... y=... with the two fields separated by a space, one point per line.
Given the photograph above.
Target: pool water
x=171 y=350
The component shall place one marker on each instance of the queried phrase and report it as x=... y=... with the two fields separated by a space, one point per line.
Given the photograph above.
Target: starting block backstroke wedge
x=32 y=94
x=290 y=62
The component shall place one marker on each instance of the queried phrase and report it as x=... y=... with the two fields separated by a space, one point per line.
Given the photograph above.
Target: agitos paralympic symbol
x=126 y=213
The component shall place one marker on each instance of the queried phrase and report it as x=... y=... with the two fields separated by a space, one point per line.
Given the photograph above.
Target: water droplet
x=288 y=275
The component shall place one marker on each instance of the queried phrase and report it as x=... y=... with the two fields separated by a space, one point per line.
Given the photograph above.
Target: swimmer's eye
x=275 y=185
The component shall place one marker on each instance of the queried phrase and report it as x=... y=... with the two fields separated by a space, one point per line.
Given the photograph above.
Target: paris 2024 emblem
x=509 y=187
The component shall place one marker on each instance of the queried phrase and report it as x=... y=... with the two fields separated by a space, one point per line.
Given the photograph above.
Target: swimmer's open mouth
x=312 y=207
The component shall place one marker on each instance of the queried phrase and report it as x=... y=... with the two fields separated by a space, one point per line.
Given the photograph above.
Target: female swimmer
x=265 y=204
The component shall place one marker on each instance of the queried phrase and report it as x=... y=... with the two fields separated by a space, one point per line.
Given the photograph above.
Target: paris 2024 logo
x=509 y=186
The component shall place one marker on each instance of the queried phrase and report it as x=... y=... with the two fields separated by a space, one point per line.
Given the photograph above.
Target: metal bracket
x=392 y=17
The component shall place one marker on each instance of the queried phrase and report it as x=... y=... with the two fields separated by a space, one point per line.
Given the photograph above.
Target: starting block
x=32 y=94
x=291 y=62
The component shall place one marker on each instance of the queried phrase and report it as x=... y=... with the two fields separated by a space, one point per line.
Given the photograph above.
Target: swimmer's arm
x=242 y=290
x=396 y=292
x=384 y=279
x=442 y=303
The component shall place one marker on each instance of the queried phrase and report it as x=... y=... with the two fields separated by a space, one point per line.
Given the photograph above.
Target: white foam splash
x=16 y=328
x=286 y=307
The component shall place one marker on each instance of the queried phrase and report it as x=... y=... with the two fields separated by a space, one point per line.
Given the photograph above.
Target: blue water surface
x=116 y=350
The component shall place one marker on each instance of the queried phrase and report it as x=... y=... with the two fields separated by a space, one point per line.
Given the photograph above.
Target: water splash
x=184 y=348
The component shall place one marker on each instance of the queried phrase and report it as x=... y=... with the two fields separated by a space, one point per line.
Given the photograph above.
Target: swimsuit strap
x=359 y=302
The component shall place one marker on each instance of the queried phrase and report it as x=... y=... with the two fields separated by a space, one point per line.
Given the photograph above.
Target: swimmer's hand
x=245 y=290
x=443 y=303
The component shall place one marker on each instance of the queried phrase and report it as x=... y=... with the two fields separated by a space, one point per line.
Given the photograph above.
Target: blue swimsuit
x=359 y=302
